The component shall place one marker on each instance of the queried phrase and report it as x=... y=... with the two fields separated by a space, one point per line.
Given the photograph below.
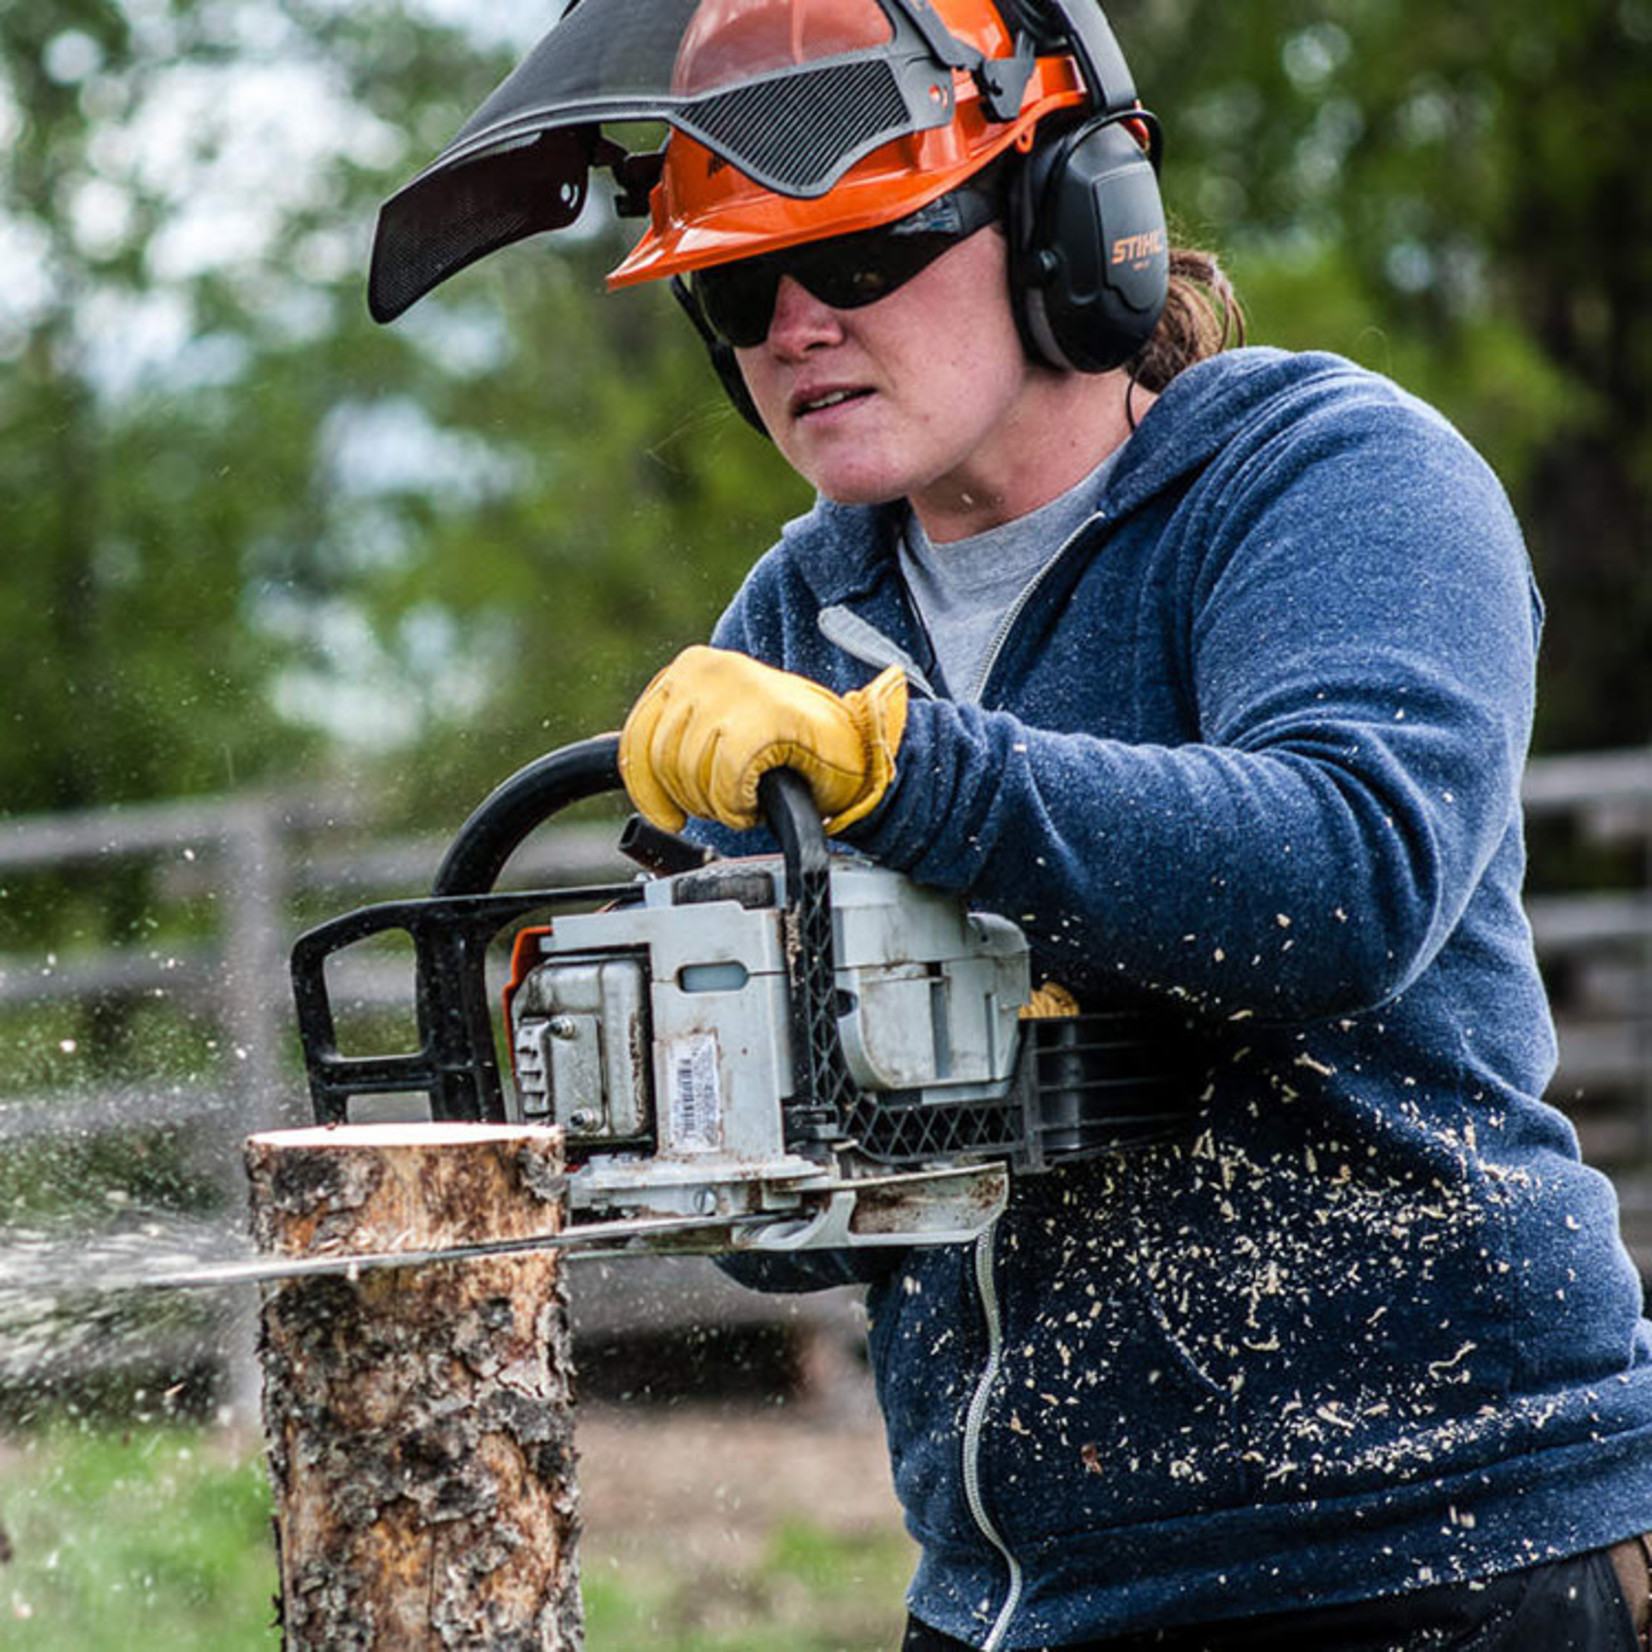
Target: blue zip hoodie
x=1252 y=745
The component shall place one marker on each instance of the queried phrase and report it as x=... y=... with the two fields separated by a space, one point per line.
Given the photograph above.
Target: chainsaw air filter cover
x=669 y=1024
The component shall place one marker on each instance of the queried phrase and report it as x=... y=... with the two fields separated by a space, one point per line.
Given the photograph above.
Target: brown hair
x=1202 y=317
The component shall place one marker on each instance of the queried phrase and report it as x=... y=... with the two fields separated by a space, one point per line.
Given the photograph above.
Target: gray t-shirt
x=967 y=590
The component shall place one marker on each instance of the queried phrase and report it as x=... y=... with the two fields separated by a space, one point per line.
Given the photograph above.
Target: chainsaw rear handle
x=456 y=1066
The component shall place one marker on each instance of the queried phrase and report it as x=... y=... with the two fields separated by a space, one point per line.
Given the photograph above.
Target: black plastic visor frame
x=848 y=271
x=521 y=164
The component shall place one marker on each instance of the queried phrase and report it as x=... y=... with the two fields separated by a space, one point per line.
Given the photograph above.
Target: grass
x=154 y=1537
x=812 y=1591
x=158 y=1537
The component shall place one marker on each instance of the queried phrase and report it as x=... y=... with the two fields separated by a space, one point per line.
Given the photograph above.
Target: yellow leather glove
x=710 y=725
x=1050 y=1000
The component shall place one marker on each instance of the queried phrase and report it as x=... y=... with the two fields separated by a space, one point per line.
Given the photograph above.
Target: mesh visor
x=792 y=92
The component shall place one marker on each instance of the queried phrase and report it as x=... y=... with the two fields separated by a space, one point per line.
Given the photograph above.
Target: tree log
x=419 y=1420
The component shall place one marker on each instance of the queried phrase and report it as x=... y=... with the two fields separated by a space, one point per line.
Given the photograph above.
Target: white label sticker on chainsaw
x=692 y=1093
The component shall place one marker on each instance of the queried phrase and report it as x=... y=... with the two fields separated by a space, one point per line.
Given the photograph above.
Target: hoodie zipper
x=985 y=1284
x=974 y=1425
x=858 y=638
x=1016 y=609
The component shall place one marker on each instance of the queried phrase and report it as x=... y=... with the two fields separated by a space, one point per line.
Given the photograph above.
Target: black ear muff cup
x=1091 y=257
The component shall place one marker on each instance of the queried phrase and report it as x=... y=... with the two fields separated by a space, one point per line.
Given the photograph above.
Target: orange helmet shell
x=705 y=211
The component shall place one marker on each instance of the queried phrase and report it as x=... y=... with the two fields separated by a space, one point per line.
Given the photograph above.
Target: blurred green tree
x=1457 y=196
x=239 y=519
x=244 y=529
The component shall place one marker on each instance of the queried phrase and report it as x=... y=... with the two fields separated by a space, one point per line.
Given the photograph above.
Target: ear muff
x=1090 y=257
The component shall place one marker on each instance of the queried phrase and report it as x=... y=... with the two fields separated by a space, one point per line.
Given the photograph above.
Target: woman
x=1212 y=669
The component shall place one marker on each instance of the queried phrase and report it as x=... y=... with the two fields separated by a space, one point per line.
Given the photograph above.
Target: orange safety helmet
x=706 y=211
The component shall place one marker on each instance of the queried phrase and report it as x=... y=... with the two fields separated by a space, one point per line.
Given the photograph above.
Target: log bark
x=419 y=1420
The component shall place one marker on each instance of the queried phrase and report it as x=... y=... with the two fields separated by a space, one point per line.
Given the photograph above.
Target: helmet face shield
x=791 y=94
x=704 y=213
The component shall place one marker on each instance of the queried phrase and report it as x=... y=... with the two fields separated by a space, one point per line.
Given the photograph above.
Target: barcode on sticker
x=693 y=1097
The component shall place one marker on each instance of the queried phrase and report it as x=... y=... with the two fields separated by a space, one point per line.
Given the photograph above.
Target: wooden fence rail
x=1595 y=945
x=256 y=863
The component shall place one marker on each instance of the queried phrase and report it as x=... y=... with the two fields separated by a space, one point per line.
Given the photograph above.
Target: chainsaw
x=788 y=1051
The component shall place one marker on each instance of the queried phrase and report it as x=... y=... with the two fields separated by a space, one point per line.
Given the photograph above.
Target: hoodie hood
x=843 y=551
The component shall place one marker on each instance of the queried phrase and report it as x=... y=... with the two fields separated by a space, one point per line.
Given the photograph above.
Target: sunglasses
x=846 y=272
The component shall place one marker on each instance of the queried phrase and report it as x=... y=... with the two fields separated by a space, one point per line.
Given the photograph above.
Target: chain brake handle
x=455 y=1066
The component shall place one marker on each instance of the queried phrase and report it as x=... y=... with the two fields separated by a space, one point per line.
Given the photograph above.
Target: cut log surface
x=419 y=1420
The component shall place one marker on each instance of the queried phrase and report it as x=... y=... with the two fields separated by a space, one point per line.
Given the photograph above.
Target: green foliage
x=80 y=1179
x=1457 y=196
x=123 y=528
x=245 y=530
x=812 y=1590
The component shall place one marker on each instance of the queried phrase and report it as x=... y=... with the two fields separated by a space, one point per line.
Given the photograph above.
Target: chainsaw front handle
x=502 y=822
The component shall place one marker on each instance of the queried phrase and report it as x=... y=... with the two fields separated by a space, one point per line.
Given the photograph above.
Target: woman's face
x=926 y=394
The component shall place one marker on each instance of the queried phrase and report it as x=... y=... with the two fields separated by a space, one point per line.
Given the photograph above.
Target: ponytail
x=1202 y=317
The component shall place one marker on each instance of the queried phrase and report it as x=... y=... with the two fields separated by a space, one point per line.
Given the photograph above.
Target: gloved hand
x=1048 y=1001
x=710 y=725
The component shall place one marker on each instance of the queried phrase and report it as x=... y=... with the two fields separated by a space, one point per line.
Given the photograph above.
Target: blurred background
x=283 y=594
